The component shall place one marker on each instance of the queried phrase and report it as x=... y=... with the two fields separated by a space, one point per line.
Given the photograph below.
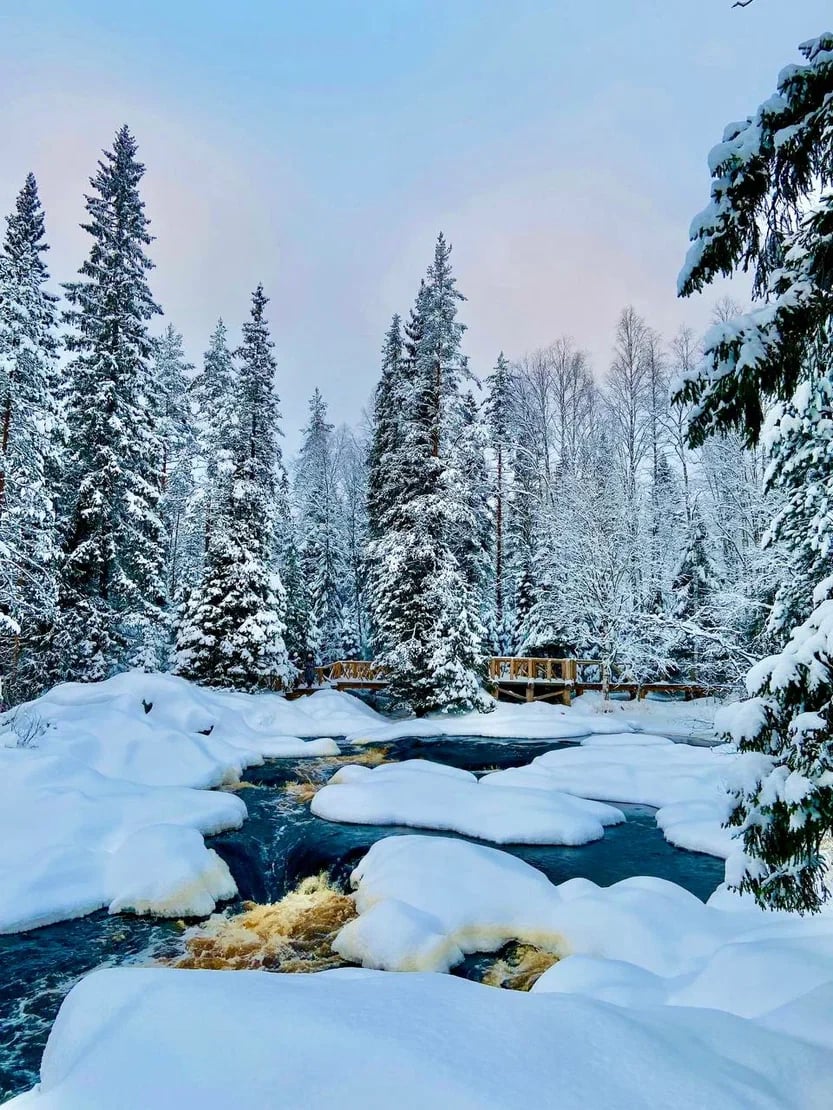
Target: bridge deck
x=519 y=678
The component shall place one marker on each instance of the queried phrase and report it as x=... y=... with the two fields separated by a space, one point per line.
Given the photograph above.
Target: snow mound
x=103 y=799
x=141 y=1037
x=453 y=898
x=429 y=795
x=425 y=902
x=73 y=841
x=690 y=787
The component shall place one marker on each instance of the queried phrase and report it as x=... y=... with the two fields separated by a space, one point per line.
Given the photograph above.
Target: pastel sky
x=319 y=148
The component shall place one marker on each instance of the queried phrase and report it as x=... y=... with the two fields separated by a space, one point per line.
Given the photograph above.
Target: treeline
x=147 y=517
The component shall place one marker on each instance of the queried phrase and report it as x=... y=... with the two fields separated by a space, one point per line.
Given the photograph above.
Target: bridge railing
x=510 y=668
x=350 y=670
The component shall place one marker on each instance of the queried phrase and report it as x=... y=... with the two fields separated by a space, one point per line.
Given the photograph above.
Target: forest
x=544 y=506
x=615 y=892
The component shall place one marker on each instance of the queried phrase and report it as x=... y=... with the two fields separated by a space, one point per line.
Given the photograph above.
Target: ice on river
x=429 y=795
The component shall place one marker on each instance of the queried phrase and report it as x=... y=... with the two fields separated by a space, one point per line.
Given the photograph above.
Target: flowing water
x=278 y=846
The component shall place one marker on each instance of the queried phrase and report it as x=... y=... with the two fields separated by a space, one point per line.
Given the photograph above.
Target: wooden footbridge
x=514 y=678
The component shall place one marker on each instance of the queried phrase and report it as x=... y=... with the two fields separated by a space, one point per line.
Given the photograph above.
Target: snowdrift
x=344 y=1040
x=103 y=799
x=429 y=795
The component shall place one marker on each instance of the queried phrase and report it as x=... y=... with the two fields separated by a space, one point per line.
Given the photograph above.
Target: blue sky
x=319 y=147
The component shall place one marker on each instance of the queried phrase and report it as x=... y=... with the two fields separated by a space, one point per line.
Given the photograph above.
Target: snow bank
x=453 y=898
x=691 y=787
x=102 y=791
x=425 y=902
x=655 y=713
x=344 y=1040
x=73 y=841
x=429 y=795
x=532 y=721
x=160 y=730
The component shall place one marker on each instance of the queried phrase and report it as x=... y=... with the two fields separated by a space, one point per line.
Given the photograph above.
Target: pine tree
x=321 y=556
x=772 y=209
x=29 y=446
x=232 y=631
x=112 y=591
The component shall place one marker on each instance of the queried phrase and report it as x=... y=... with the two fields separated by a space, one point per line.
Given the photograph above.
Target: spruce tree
x=111 y=591
x=771 y=209
x=430 y=639
x=232 y=631
x=386 y=432
x=692 y=590
x=214 y=400
x=171 y=376
x=321 y=557
x=29 y=448
x=499 y=423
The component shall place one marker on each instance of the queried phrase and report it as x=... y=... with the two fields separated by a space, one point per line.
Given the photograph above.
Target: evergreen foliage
x=425 y=611
x=111 y=587
x=232 y=632
x=772 y=210
x=29 y=446
x=322 y=560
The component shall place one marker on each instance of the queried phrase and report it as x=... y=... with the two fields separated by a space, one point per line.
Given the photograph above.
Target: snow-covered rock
x=363 y=1040
x=691 y=787
x=73 y=841
x=429 y=795
x=456 y=898
x=102 y=790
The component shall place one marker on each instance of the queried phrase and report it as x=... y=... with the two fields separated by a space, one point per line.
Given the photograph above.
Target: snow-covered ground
x=364 y=1040
x=103 y=798
x=656 y=997
x=524 y=721
x=102 y=791
x=429 y=795
x=657 y=1000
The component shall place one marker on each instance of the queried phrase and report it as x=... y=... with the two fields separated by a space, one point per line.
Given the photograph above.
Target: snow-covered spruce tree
x=692 y=589
x=213 y=397
x=29 y=447
x=352 y=454
x=232 y=630
x=319 y=511
x=430 y=638
x=171 y=374
x=499 y=424
x=468 y=485
x=296 y=618
x=112 y=588
x=386 y=431
x=772 y=209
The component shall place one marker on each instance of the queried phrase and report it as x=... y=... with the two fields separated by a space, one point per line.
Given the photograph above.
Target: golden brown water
x=519 y=967
x=294 y=934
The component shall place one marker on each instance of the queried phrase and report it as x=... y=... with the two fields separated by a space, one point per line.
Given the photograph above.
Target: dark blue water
x=280 y=844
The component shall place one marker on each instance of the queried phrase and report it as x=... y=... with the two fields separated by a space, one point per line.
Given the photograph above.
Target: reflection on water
x=282 y=844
